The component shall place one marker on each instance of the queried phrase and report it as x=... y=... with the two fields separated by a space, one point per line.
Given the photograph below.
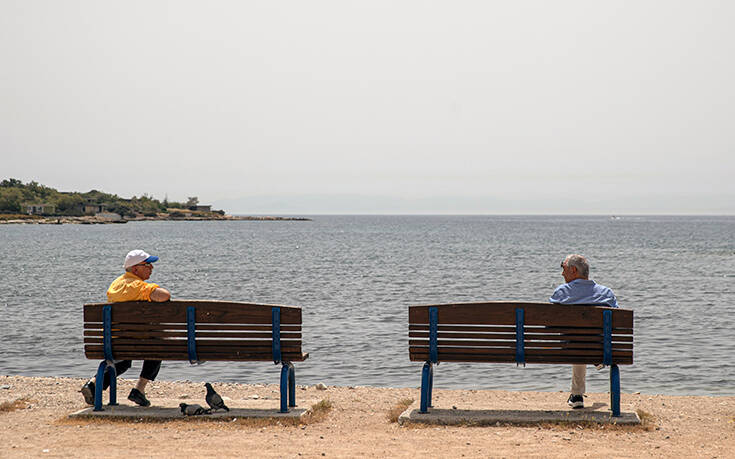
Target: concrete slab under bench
x=452 y=416
x=168 y=409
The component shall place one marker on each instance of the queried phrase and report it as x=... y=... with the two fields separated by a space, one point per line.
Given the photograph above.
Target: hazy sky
x=376 y=106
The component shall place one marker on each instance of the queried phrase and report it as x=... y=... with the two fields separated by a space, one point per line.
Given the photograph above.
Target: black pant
x=149 y=371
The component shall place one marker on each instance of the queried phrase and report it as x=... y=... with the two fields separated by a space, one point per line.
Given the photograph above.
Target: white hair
x=579 y=262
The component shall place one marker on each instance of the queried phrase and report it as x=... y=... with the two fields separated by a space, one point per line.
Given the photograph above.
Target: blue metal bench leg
x=431 y=385
x=105 y=367
x=98 y=386
x=284 y=387
x=426 y=382
x=113 y=384
x=615 y=390
x=291 y=385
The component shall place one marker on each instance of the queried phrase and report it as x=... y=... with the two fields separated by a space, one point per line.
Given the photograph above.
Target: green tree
x=122 y=208
x=146 y=205
x=70 y=204
x=10 y=200
x=11 y=183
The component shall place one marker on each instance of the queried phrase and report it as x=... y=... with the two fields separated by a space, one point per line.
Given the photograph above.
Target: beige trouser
x=579 y=375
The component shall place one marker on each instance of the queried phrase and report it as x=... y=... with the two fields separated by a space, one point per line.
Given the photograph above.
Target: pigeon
x=213 y=399
x=193 y=410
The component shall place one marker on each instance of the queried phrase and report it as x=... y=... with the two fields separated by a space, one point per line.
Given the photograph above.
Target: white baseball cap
x=135 y=257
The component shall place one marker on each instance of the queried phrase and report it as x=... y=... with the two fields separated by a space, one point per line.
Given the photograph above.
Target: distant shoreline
x=94 y=220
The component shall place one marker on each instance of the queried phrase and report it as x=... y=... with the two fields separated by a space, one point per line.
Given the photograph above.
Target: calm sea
x=355 y=276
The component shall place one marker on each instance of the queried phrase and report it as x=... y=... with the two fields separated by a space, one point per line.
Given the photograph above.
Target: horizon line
x=487 y=214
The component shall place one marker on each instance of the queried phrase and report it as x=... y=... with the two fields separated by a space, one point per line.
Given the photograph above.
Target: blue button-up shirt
x=584 y=291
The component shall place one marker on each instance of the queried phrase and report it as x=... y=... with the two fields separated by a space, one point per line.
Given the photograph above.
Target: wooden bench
x=520 y=333
x=196 y=331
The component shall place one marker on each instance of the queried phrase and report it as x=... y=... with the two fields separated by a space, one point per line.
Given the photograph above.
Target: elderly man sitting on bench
x=579 y=289
x=132 y=286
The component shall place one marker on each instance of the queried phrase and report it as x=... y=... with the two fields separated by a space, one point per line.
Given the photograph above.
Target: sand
x=34 y=422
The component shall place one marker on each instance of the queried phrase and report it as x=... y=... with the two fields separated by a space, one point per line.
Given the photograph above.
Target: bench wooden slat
x=503 y=313
x=560 y=360
x=576 y=330
x=131 y=349
x=204 y=356
x=206 y=312
x=468 y=328
x=528 y=337
x=550 y=345
x=484 y=343
x=527 y=345
x=116 y=342
x=461 y=356
x=511 y=350
x=440 y=335
x=504 y=329
x=131 y=345
x=284 y=327
x=182 y=326
x=572 y=345
x=183 y=334
x=450 y=353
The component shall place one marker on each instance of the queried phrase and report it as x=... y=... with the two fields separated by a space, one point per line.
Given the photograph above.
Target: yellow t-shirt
x=130 y=287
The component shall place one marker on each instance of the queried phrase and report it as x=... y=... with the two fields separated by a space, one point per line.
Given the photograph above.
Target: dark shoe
x=576 y=401
x=87 y=391
x=138 y=397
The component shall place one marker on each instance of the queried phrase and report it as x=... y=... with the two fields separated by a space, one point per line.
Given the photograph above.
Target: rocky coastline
x=100 y=220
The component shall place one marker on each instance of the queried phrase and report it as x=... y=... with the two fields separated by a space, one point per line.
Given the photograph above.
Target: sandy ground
x=34 y=423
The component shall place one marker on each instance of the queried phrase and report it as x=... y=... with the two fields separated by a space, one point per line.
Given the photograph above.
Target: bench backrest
x=193 y=330
x=521 y=333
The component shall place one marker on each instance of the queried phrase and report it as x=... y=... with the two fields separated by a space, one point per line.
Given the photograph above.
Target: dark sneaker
x=138 y=397
x=576 y=401
x=87 y=391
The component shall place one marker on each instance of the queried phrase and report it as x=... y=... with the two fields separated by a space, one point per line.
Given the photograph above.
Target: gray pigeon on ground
x=214 y=400
x=193 y=410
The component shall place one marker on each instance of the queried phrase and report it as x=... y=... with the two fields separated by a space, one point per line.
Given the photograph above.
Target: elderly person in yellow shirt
x=132 y=286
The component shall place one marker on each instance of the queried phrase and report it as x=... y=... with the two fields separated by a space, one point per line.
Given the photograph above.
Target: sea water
x=355 y=276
